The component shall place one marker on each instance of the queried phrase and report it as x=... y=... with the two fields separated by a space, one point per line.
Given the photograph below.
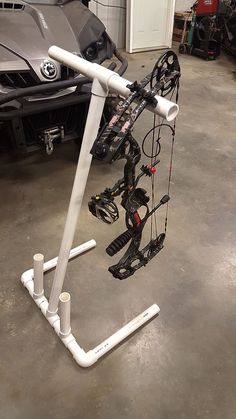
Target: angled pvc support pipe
x=99 y=94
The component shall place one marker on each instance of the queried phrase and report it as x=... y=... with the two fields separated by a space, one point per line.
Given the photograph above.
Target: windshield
x=41 y=1
x=47 y=1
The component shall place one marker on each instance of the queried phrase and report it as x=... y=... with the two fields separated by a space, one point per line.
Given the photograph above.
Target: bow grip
x=117 y=244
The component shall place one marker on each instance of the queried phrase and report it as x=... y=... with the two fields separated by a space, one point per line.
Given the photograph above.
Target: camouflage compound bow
x=116 y=142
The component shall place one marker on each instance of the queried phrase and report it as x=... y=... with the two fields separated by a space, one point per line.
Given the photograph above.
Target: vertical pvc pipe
x=38 y=275
x=64 y=307
x=99 y=94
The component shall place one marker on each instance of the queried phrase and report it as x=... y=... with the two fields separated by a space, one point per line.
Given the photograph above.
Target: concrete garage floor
x=183 y=363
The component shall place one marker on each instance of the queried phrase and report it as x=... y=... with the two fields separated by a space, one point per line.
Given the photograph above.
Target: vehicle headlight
x=101 y=43
x=92 y=51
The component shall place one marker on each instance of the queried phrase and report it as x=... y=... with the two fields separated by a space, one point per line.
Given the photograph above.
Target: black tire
x=182 y=49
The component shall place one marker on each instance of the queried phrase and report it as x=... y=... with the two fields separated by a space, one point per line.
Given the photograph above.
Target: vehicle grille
x=16 y=80
x=67 y=73
x=11 y=6
x=25 y=79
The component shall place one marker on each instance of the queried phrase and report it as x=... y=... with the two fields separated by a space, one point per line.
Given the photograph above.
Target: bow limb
x=134 y=259
x=123 y=269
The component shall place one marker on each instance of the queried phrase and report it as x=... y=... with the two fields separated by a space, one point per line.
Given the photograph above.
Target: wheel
x=182 y=49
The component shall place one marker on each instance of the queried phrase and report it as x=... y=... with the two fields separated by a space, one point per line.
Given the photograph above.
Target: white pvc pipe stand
x=103 y=81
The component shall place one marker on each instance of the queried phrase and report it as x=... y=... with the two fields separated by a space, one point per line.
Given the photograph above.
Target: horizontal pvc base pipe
x=85 y=359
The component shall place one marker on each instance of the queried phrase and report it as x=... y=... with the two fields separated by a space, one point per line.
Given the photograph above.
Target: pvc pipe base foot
x=84 y=359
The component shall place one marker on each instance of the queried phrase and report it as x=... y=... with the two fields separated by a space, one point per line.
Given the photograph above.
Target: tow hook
x=49 y=135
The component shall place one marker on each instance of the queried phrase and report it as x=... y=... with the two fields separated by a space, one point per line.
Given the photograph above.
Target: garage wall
x=181 y=5
x=114 y=19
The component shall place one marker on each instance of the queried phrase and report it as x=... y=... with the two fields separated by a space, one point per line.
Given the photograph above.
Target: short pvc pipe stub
x=64 y=297
x=38 y=257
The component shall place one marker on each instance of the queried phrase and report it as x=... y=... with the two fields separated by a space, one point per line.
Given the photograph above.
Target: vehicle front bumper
x=80 y=95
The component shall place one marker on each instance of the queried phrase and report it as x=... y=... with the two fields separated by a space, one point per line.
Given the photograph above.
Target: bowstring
x=154 y=216
x=171 y=154
x=153 y=154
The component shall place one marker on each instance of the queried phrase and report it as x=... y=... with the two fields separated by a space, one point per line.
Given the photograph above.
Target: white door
x=149 y=24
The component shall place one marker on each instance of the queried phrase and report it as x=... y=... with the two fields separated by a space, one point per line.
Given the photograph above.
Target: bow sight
x=116 y=142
